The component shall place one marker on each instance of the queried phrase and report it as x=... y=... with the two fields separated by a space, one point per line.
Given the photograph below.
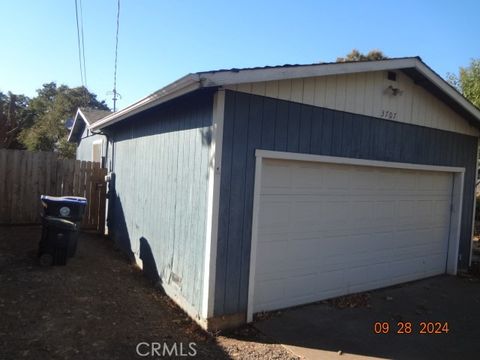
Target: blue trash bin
x=71 y=208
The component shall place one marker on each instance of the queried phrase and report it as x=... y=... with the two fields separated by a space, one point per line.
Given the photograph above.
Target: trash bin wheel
x=46 y=259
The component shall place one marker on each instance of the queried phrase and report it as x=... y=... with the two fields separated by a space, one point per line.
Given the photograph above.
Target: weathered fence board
x=25 y=175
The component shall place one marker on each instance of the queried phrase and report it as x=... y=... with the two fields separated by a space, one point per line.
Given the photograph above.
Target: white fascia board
x=180 y=87
x=79 y=112
x=223 y=78
x=446 y=88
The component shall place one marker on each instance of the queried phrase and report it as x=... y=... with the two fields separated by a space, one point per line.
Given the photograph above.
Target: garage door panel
x=276 y=216
x=405 y=181
x=337 y=178
x=306 y=214
x=269 y=291
x=272 y=257
x=357 y=275
x=432 y=263
x=379 y=241
x=385 y=181
x=441 y=184
x=277 y=176
x=303 y=250
x=327 y=281
x=423 y=212
x=301 y=284
x=377 y=272
x=310 y=181
x=328 y=229
x=384 y=213
x=441 y=211
x=363 y=180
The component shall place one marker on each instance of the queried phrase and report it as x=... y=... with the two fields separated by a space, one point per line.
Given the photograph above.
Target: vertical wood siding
x=161 y=162
x=256 y=122
x=365 y=93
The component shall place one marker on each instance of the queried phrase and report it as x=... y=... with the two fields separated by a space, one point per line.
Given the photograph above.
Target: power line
x=83 y=45
x=81 y=48
x=78 y=45
x=115 y=94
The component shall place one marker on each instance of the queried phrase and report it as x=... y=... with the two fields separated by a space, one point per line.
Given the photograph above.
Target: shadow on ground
x=96 y=307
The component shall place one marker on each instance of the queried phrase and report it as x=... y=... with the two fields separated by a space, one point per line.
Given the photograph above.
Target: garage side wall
x=255 y=122
x=159 y=201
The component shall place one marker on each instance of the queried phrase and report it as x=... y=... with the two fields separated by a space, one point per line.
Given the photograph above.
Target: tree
x=15 y=115
x=468 y=81
x=356 y=55
x=52 y=108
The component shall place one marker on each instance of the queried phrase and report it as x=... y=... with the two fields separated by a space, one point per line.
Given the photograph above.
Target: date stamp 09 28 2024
x=407 y=327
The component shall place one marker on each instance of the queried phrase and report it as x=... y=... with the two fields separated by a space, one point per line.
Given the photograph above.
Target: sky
x=161 y=41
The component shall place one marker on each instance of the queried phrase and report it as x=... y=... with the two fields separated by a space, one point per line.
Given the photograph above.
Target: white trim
x=178 y=88
x=254 y=242
x=229 y=77
x=474 y=207
x=213 y=196
x=455 y=223
x=84 y=117
x=79 y=111
x=455 y=220
x=352 y=161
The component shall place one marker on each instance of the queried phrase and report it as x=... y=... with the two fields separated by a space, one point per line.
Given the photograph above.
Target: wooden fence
x=25 y=175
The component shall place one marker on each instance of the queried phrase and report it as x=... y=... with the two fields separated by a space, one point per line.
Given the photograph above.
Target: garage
x=327 y=228
x=284 y=185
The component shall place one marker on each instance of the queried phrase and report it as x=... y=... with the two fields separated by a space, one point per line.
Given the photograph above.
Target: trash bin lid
x=64 y=199
x=59 y=222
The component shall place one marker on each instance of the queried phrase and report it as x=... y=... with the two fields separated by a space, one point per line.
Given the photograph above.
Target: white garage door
x=326 y=230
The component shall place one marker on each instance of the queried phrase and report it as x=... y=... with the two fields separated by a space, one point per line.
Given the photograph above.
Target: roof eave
x=79 y=112
x=196 y=81
x=230 y=77
x=178 y=88
x=436 y=80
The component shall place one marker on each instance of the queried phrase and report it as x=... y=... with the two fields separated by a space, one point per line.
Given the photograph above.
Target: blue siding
x=84 y=148
x=254 y=122
x=161 y=162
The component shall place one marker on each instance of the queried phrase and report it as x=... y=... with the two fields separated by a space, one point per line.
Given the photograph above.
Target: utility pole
x=116 y=96
x=114 y=100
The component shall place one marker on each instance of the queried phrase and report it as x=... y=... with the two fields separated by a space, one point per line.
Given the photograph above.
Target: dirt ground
x=98 y=307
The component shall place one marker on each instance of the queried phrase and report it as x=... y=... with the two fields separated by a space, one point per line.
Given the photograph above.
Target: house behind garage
x=249 y=190
x=91 y=146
